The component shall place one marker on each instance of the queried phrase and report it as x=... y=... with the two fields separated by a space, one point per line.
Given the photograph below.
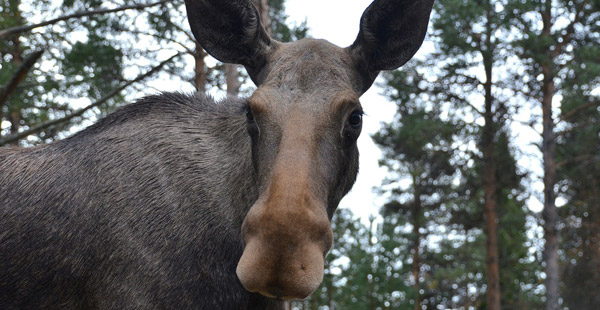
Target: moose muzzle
x=287 y=235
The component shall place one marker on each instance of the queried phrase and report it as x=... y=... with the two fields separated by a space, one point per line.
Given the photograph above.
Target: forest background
x=491 y=193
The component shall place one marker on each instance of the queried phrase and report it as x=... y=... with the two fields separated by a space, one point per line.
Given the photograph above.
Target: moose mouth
x=286 y=239
x=284 y=277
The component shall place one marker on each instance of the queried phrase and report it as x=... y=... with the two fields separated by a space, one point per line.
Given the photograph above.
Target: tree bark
x=200 y=69
x=263 y=9
x=490 y=186
x=232 y=77
x=14 y=117
x=330 y=288
x=372 y=303
x=14 y=112
x=549 y=213
x=490 y=203
x=417 y=212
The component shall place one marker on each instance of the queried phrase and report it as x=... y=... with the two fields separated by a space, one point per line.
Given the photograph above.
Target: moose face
x=303 y=121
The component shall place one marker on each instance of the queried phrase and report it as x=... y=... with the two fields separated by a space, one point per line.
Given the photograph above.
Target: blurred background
x=480 y=158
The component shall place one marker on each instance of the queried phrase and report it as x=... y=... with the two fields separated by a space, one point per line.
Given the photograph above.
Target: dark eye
x=355 y=119
x=249 y=115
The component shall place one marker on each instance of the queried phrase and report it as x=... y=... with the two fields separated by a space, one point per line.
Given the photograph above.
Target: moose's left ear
x=231 y=32
x=391 y=32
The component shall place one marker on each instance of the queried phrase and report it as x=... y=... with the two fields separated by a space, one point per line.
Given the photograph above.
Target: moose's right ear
x=230 y=31
x=391 y=32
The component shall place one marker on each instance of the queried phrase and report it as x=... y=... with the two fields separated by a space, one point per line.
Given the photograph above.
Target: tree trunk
x=491 y=226
x=372 y=303
x=594 y=237
x=288 y=305
x=489 y=184
x=330 y=288
x=200 y=69
x=232 y=77
x=416 y=268
x=417 y=212
x=549 y=213
x=14 y=112
x=14 y=115
x=263 y=10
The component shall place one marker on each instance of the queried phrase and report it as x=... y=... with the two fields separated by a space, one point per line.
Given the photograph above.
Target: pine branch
x=25 y=28
x=187 y=50
x=576 y=110
x=79 y=112
x=465 y=101
x=570 y=29
x=578 y=159
x=187 y=33
x=18 y=76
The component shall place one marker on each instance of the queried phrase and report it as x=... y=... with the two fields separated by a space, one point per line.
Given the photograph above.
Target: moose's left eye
x=249 y=114
x=355 y=119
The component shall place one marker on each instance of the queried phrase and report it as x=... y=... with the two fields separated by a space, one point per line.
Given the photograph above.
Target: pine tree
x=446 y=178
x=80 y=57
x=552 y=36
x=469 y=38
x=417 y=149
x=578 y=164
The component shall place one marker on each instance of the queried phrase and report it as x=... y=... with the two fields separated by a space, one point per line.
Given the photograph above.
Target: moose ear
x=391 y=32
x=231 y=32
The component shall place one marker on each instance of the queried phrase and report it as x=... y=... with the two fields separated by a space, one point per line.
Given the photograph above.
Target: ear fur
x=231 y=32
x=391 y=32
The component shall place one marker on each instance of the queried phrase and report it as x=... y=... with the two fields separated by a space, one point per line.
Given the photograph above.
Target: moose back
x=180 y=202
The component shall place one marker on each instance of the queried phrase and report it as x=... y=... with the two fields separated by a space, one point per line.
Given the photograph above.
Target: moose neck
x=219 y=149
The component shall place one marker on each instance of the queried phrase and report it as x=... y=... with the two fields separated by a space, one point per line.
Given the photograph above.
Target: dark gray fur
x=140 y=211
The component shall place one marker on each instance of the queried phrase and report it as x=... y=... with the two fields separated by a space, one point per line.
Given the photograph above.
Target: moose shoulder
x=179 y=202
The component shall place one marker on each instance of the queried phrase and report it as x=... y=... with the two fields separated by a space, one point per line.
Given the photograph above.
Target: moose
x=181 y=202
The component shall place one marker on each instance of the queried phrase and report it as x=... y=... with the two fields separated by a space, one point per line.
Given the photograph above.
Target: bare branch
x=18 y=76
x=42 y=126
x=25 y=28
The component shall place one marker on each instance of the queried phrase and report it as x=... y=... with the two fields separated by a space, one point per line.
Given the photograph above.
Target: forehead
x=311 y=66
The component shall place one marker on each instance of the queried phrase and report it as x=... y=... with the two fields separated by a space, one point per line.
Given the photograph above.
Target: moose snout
x=285 y=250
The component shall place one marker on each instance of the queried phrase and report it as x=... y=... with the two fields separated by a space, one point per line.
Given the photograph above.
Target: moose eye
x=355 y=119
x=249 y=114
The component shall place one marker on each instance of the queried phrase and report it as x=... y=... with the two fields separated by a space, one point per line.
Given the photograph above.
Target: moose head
x=303 y=121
